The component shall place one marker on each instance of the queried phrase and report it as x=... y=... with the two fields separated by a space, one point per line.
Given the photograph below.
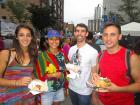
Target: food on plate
x=103 y=82
x=38 y=85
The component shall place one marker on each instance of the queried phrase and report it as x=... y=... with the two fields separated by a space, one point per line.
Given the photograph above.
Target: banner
x=107 y=19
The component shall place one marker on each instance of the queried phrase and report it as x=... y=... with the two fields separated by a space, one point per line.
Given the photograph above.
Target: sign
x=109 y=19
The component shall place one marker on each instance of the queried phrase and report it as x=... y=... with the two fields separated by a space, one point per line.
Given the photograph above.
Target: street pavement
x=67 y=101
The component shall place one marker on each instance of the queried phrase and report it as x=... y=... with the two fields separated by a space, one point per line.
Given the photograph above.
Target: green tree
x=130 y=8
x=41 y=17
x=18 y=8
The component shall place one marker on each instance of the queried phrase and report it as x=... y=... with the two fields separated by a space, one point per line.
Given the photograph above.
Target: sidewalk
x=67 y=101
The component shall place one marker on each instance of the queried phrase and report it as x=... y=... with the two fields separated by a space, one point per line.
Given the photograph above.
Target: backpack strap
x=99 y=58
x=9 y=54
x=127 y=62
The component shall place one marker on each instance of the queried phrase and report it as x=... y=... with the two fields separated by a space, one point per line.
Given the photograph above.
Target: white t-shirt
x=86 y=59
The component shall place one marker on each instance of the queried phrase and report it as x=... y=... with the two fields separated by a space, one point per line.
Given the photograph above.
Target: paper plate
x=95 y=88
x=99 y=89
x=37 y=86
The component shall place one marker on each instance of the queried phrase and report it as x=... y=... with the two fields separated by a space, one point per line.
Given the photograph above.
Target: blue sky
x=77 y=11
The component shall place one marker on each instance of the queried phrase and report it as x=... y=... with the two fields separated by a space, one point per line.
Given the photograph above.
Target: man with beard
x=83 y=56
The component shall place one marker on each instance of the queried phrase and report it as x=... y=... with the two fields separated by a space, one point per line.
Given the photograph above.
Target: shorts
x=48 y=98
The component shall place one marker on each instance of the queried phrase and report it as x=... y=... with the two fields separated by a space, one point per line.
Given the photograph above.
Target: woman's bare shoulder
x=4 y=53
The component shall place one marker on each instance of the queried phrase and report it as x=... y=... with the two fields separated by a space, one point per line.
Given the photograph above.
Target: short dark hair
x=113 y=24
x=82 y=25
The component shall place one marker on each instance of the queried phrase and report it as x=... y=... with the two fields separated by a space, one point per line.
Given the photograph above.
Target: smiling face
x=80 y=34
x=111 y=37
x=24 y=37
x=54 y=42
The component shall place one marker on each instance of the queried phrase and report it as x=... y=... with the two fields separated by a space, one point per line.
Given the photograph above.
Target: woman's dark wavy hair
x=32 y=48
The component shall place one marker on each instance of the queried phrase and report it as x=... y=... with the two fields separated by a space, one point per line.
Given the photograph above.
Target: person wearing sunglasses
x=84 y=56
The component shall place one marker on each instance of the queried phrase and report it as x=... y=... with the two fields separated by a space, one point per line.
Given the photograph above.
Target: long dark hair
x=32 y=48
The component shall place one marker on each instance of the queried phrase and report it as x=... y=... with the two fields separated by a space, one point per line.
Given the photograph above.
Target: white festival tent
x=132 y=28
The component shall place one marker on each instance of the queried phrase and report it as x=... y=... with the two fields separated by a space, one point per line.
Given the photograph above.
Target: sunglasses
x=77 y=53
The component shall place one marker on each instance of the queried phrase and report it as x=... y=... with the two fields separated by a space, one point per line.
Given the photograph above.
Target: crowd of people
x=25 y=62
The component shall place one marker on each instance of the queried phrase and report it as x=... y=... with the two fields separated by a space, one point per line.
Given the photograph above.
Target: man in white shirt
x=84 y=56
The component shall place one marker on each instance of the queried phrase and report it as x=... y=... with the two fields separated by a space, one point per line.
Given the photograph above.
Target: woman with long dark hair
x=16 y=68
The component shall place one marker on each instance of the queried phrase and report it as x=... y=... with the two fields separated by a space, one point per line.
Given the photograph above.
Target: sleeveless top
x=16 y=95
x=114 y=68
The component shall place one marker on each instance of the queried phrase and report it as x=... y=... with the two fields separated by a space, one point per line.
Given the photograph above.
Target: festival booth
x=131 y=33
x=132 y=29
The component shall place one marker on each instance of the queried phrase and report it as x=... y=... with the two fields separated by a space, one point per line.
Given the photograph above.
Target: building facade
x=91 y=25
x=57 y=4
x=113 y=6
x=59 y=10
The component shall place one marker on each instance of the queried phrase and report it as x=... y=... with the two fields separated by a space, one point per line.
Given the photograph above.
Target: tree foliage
x=41 y=17
x=130 y=8
x=18 y=8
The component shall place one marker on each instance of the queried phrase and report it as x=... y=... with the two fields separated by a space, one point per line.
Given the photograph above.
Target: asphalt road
x=67 y=101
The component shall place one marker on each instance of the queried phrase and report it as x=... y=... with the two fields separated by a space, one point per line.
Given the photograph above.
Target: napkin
x=74 y=71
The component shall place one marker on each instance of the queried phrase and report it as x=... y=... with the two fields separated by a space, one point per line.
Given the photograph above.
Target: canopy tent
x=132 y=28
